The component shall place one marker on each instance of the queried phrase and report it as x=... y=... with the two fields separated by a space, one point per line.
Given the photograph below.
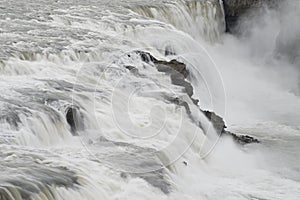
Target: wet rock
x=164 y=66
x=185 y=163
x=169 y=51
x=74 y=119
x=123 y=175
x=171 y=66
x=242 y=139
x=146 y=57
x=220 y=128
x=216 y=120
x=132 y=69
x=178 y=73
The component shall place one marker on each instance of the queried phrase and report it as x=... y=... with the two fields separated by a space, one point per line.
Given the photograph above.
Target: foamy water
x=131 y=140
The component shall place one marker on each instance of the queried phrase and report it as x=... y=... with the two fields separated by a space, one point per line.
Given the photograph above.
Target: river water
x=129 y=141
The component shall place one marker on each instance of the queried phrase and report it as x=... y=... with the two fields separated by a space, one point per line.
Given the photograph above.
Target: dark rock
x=169 y=51
x=171 y=66
x=242 y=139
x=74 y=119
x=71 y=118
x=234 y=9
x=132 y=69
x=178 y=73
x=220 y=128
x=123 y=175
x=146 y=57
x=216 y=121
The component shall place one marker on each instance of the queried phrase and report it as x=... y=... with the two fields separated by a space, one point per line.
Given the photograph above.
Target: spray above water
x=122 y=101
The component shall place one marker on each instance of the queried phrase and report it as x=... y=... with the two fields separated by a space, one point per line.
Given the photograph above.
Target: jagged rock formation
x=242 y=139
x=216 y=120
x=178 y=73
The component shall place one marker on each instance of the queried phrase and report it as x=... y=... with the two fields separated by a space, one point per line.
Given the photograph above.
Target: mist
x=261 y=76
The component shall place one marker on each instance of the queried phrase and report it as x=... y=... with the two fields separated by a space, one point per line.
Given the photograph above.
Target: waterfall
x=200 y=19
x=77 y=93
x=124 y=99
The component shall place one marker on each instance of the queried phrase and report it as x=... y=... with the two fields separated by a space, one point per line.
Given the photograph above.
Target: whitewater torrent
x=88 y=113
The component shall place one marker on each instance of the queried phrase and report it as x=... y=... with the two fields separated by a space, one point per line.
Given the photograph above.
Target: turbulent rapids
x=153 y=99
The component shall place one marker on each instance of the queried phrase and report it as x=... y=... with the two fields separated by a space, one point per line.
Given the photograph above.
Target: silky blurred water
x=130 y=141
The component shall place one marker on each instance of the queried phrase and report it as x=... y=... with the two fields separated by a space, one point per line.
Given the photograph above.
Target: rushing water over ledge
x=91 y=109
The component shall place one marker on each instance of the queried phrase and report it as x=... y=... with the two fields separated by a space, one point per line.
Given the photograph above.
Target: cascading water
x=201 y=19
x=99 y=100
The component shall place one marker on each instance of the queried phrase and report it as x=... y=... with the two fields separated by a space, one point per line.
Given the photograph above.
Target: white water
x=76 y=54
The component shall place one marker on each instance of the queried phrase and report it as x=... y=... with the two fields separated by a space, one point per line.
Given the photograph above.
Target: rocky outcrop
x=216 y=121
x=220 y=127
x=241 y=139
x=178 y=73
